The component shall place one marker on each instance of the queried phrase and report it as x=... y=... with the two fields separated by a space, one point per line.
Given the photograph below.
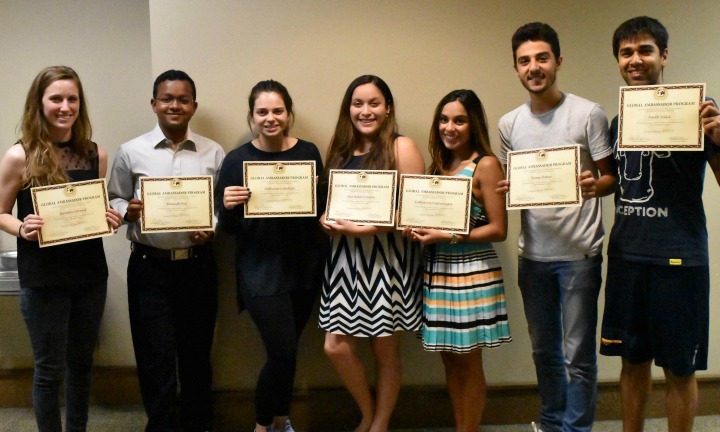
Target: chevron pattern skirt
x=372 y=286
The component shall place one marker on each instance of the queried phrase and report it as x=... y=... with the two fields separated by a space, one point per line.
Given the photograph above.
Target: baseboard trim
x=314 y=409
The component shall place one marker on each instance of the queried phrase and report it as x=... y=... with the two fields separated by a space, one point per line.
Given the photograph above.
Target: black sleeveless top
x=70 y=264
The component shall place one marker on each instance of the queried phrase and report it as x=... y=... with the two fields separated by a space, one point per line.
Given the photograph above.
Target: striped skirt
x=463 y=298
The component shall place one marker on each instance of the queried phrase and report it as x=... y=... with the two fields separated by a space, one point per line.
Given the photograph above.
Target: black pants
x=173 y=307
x=280 y=320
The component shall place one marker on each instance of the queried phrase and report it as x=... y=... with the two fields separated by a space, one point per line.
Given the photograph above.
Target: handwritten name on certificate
x=280 y=189
x=546 y=177
x=437 y=202
x=661 y=117
x=71 y=211
x=364 y=197
x=173 y=204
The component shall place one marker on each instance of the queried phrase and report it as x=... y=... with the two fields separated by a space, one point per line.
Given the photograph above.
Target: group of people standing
x=375 y=281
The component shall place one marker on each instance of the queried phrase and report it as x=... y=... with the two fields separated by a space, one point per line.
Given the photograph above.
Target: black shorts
x=657 y=312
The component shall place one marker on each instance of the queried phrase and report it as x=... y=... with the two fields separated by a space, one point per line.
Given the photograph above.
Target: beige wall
x=108 y=43
x=423 y=49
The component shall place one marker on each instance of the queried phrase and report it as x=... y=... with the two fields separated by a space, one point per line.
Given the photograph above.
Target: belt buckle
x=179 y=254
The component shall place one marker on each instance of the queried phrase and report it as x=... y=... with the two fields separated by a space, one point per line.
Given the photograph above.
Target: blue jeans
x=560 y=300
x=63 y=323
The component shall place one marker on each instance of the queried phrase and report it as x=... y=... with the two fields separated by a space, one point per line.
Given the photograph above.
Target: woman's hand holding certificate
x=281 y=189
x=435 y=202
x=364 y=197
x=72 y=212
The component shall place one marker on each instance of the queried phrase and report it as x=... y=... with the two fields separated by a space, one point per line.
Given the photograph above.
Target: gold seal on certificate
x=71 y=211
x=661 y=117
x=366 y=197
x=172 y=204
x=437 y=202
x=280 y=189
x=546 y=177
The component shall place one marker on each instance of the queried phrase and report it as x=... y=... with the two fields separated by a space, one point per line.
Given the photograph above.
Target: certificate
x=280 y=189
x=364 y=197
x=437 y=202
x=546 y=177
x=661 y=117
x=172 y=204
x=71 y=211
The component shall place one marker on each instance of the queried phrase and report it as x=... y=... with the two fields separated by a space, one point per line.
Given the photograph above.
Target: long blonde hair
x=41 y=163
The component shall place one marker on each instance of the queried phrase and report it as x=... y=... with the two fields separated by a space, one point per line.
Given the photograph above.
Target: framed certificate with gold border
x=280 y=189
x=71 y=211
x=174 y=204
x=435 y=202
x=661 y=117
x=366 y=197
x=545 y=177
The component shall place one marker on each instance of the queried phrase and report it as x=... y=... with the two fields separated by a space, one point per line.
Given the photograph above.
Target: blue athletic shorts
x=657 y=312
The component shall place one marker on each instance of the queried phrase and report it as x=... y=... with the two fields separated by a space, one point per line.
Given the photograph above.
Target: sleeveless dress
x=371 y=285
x=69 y=264
x=463 y=292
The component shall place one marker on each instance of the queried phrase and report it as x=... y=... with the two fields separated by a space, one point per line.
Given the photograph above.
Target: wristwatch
x=454 y=238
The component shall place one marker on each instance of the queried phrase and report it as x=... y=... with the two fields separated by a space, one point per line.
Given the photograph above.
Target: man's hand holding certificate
x=546 y=177
x=71 y=212
x=661 y=117
x=172 y=204
x=364 y=197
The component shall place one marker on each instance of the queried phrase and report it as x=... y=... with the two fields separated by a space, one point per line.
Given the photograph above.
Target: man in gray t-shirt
x=560 y=249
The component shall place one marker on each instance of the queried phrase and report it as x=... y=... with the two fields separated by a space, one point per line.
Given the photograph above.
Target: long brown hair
x=346 y=138
x=479 y=139
x=41 y=162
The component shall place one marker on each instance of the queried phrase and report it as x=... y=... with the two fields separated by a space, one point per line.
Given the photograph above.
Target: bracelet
x=453 y=238
x=20 y=230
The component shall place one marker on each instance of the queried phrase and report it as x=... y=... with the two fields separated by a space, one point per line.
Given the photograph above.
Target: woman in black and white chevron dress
x=372 y=284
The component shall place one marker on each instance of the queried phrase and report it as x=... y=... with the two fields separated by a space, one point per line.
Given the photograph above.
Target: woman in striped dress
x=463 y=293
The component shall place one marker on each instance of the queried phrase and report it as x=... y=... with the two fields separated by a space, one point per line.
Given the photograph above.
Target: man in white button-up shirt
x=172 y=284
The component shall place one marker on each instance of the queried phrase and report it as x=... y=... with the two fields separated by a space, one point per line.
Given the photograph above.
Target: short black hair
x=174 y=75
x=536 y=31
x=642 y=25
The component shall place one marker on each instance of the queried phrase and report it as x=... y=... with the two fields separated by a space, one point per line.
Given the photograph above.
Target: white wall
x=422 y=48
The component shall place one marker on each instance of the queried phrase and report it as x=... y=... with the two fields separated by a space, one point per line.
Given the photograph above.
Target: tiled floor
x=132 y=419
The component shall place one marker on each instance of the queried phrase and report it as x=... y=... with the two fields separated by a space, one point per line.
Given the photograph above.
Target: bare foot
x=364 y=425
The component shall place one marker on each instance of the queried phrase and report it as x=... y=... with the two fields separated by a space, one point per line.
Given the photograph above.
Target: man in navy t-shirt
x=657 y=289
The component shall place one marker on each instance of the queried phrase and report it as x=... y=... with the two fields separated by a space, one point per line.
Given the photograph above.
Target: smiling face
x=174 y=116
x=61 y=106
x=368 y=109
x=454 y=126
x=536 y=66
x=640 y=61
x=269 y=116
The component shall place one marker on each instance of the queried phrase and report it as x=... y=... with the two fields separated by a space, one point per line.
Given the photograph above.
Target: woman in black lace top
x=63 y=287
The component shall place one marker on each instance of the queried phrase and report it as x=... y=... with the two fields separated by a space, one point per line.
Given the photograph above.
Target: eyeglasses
x=168 y=100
